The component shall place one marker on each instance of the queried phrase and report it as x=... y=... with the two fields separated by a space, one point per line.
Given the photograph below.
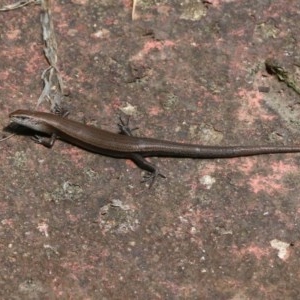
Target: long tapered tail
x=166 y=148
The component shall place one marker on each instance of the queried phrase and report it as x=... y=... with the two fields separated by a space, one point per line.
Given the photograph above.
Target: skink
x=127 y=146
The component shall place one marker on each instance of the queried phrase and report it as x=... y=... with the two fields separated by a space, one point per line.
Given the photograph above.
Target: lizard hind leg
x=153 y=172
x=138 y=159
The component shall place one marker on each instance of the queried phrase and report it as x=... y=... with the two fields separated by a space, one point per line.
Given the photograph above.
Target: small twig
x=19 y=4
x=133 y=14
x=53 y=84
x=7 y=137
